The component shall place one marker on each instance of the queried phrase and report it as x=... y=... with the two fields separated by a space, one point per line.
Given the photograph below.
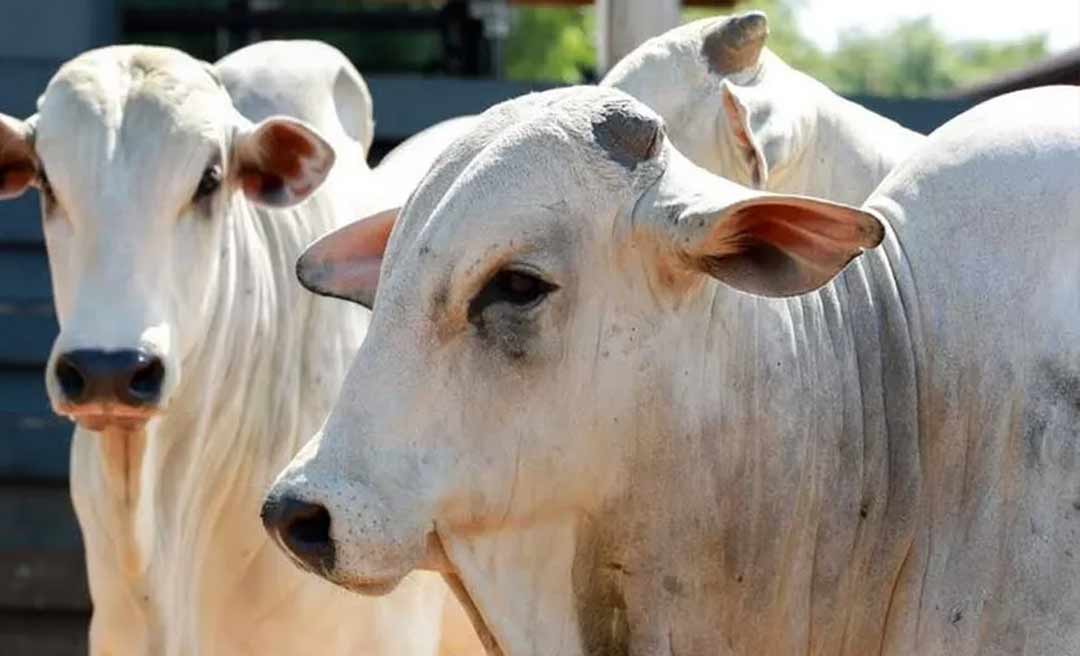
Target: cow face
x=518 y=331
x=730 y=106
x=145 y=171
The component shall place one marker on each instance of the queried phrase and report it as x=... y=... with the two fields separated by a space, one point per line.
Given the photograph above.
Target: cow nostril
x=302 y=529
x=310 y=527
x=72 y=382
x=145 y=383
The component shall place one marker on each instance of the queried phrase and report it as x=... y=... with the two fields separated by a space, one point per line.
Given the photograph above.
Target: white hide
x=736 y=109
x=178 y=562
x=619 y=453
x=403 y=167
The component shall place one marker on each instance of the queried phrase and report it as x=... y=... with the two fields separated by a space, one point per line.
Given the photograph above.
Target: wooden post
x=622 y=25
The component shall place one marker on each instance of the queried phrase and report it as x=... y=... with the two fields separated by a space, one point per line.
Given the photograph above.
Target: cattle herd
x=704 y=359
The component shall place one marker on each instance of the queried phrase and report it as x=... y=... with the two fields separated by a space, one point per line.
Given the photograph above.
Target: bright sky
x=823 y=20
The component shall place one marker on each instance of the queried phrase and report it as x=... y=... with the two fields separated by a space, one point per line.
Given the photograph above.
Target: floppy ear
x=18 y=162
x=764 y=125
x=345 y=263
x=737 y=119
x=777 y=246
x=759 y=118
x=281 y=161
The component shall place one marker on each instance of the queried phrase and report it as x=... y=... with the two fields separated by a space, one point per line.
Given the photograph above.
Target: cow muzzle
x=108 y=389
x=302 y=530
x=360 y=551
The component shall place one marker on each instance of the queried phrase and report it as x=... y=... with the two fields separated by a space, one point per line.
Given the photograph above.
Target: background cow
x=738 y=110
x=628 y=406
x=188 y=355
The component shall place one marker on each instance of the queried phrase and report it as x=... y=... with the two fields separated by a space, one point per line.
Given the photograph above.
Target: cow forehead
x=146 y=113
x=572 y=160
x=561 y=146
x=134 y=89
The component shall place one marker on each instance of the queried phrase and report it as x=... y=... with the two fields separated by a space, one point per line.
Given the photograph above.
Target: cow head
x=520 y=328
x=144 y=170
x=730 y=105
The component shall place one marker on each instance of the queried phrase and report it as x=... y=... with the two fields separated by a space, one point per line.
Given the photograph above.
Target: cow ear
x=18 y=163
x=737 y=120
x=281 y=161
x=345 y=263
x=765 y=133
x=777 y=246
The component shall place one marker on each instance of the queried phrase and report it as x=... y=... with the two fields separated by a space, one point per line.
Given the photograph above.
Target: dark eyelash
x=209 y=183
x=513 y=287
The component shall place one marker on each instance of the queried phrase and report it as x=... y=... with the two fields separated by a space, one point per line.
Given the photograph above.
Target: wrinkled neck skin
x=766 y=481
x=844 y=150
x=170 y=515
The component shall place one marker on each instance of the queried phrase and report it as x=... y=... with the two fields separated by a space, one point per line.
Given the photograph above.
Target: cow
x=632 y=407
x=264 y=80
x=399 y=172
x=188 y=355
x=736 y=109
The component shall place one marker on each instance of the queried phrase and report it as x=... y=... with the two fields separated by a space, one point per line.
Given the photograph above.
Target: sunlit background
x=915 y=48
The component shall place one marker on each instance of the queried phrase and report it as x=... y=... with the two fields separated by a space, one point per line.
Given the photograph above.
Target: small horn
x=628 y=132
x=735 y=44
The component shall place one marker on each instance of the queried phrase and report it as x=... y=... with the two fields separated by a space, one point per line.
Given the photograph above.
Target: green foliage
x=551 y=44
x=557 y=44
x=911 y=60
x=915 y=59
x=785 y=39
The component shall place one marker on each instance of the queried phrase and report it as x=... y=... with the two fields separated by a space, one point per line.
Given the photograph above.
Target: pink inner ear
x=812 y=236
x=275 y=164
x=357 y=279
x=15 y=177
x=346 y=262
x=284 y=149
x=361 y=239
x=740 y=128
x=736 y=120
x=258 y=183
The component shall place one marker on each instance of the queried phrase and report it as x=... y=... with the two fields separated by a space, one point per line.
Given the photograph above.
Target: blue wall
x=35 y=38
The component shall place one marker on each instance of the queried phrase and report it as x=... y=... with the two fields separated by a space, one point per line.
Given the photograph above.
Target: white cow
x=627 y=404
x=190 y=358
x=289 y=77
x=738 y=110
x=279 y=77
x=402 y=168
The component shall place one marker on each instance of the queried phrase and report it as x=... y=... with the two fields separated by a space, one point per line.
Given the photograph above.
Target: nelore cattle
x=192 y=361
x=631 y=407
x=736 y=109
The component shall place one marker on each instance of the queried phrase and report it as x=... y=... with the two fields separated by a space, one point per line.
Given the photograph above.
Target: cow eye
x=209 y=183
x=513 y=287
x=520 y=288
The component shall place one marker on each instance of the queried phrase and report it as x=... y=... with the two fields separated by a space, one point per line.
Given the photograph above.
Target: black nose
x=128 y=377
x=303 y=529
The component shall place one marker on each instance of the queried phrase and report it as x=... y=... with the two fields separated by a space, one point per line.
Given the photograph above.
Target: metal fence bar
x=235 y=18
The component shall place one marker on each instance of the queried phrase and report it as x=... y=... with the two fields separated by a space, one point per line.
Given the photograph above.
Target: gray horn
x=735 y=44
x=629 y=132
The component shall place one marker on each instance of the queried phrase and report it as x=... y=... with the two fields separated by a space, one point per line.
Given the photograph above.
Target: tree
x=911 y=60
x=915 y=59
x=555 y=44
